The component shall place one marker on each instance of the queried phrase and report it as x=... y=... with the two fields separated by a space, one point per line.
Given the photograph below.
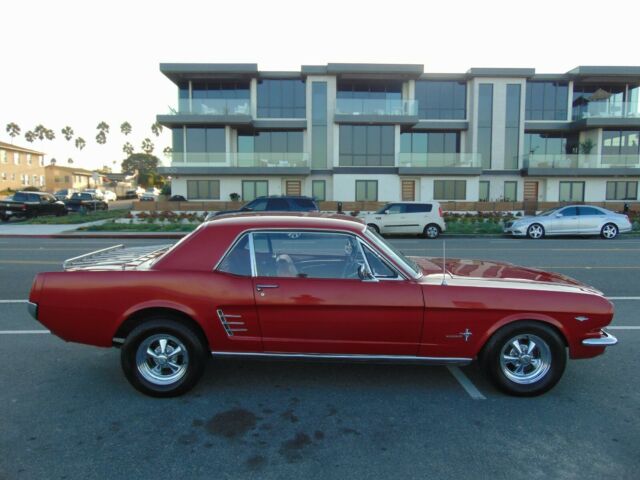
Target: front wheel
x=163 y=358
x=431 y=231
x=535 y=231
x=374 y=227
x=609 y=231
x=525 y=359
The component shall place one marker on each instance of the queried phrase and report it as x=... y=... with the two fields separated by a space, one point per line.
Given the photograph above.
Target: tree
x=125 y=128
x=13 y=130
x=103 y=127
x=53 y=161
x=80 y=143
x=101 y=138
x=128 y=149
x=29 y=136
x=167 y=151
x=67 y=132
x=156 y=129
x=146 y=165
x=70 y=161
x=49 y=134
x=147 y=146
x=40 y=132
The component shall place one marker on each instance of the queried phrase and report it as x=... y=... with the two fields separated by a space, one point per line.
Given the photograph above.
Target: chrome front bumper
x=606 y=340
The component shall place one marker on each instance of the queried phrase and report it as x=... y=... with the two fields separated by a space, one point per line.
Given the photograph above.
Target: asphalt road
x=67 y=411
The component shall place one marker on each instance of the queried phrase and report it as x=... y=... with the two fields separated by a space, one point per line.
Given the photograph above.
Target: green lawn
x=74 y=218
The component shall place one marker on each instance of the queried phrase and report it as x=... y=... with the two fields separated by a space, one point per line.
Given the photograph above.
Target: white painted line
x=22 y=332
x=623 y=298
x=14 y=301
x=615 y=327
x=466 y=383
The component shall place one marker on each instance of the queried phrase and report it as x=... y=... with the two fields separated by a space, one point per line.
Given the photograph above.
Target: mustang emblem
x=466 y=334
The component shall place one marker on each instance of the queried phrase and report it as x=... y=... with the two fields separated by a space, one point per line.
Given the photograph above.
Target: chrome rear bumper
x=606 y=340
x=33 y=309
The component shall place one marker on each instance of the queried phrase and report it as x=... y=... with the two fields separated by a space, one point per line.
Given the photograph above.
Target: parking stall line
x=23 y=332
x=623 y=327
x=464 y=381
x=14 y=301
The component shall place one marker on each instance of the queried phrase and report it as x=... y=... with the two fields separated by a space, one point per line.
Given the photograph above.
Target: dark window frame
x=367 y=184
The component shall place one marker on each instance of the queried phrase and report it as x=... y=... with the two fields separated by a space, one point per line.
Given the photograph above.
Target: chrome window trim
x=398 y=276
x=406 y=270
x=252 y=256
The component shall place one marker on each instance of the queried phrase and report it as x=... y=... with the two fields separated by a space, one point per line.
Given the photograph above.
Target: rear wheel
x=535 y=231
x=609 y=231
x=431 y=231
x=525 y=358
x=163 y=358
x=373 y=227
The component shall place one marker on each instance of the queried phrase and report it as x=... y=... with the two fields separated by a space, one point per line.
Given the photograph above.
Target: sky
x=78 y=63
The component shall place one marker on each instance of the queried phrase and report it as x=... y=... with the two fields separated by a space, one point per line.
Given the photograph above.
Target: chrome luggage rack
x=115 y=258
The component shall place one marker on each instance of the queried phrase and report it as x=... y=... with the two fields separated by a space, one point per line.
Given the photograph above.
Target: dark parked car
x=85 y=201
x=177 y=198
x=130 y=194
x=282 y=203
x=64 y=194
x=30 y=204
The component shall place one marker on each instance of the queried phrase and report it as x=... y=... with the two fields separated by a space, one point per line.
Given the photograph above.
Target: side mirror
x=386 y=212
x=365 y=274
x=246 y=209
x=558 y=215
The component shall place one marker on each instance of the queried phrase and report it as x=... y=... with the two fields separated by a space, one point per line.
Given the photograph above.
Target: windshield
x=393 y=252
x=548 y=212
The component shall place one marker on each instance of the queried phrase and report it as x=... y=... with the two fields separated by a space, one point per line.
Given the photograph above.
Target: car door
x=278 y=205
x=310 y=298
x=394 y=219
x=563 y=222
x=591 y=220
x=417 y=217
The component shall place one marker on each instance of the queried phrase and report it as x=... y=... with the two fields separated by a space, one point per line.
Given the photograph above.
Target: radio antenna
x=444 y=263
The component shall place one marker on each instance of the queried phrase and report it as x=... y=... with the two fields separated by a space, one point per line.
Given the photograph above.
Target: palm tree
x=40 y=131
x=13 y=130
x=49 y=134
x=101 y=138
x=29 y=136
x=52 y=161
x=67 y=132
x=70 y=161
x=103 y=127
x=125 y=128
x=80 y=143
x=156 y=129
x=147 y=146
x=128 y=149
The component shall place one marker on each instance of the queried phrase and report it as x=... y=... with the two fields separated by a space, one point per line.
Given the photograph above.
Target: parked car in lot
x=570 y=220
x=417 y=218
x=130 y=194
x=29 y=205
x=96 y=192
x=109 y=196
x=85 y=201
x=150 y=195
x=177 y=198
x=309 y=286
x=280 y=203
x=64 y=194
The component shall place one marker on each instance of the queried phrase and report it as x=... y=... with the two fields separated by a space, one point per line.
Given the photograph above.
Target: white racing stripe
x=14 y=301
x=22 y=332
x=466 y=383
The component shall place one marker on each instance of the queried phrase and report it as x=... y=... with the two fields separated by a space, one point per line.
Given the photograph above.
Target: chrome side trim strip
x=607 y=340
x=347 y=357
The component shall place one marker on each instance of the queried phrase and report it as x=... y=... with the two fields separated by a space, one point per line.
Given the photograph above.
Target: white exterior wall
x=345 y=186
x=427 y=188
x=496 y=186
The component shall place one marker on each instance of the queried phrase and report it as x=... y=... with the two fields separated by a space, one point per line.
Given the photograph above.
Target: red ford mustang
x=308 y=286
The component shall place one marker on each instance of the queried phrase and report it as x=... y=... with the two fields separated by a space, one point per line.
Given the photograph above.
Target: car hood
x=491 y=270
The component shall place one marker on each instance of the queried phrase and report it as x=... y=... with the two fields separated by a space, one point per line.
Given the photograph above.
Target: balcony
x=232 y=163
x=605 y=114
x=381 y=111
x=224 y=111
x=582 y=164
x=440 y=163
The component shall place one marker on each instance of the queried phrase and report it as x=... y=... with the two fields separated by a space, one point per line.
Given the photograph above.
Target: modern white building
x=380 y=132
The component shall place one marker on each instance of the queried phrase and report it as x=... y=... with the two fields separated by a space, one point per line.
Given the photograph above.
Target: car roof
x=283 y=196
x=27 y=192
x=288 y=220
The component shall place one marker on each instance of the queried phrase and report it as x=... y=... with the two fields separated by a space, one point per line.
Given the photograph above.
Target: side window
x=396 y=208
x=238 y=260
x=303 y=204
x=589 y=211
x=419 y=207
x=379 y=268
x=34 y=198
x=279 y=204
x=258 y=205
x=307 y=255
x=569 y=212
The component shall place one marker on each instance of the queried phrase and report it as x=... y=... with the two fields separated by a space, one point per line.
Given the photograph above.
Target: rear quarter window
x=20 y=197
x=303 y=204
x=419 y=207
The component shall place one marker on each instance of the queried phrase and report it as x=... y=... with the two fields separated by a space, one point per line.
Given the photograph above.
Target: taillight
x=440 y=211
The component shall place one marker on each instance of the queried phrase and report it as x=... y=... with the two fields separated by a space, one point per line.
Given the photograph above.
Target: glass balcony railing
x=436 y=160
x=357 y=106
x=234 y=159
x=582 y=161
x=607 y=110
x=213 y=106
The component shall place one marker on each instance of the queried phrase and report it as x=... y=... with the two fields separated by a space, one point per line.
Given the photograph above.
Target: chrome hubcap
x=609 y=231
x=432 y=232
x=535 y=231
x=525 y=359
x=162 y=359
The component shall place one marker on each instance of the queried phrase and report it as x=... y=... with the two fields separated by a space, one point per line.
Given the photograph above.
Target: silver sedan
x=570 y=220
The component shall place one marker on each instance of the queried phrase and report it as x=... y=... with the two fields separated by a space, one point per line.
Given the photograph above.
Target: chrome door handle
x=263 y=286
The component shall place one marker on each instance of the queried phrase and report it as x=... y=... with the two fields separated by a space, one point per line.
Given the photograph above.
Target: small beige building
x=58 y=177
x=20 y=167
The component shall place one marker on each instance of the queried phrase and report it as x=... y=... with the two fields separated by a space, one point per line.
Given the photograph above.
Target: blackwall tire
x=535 y=231
x=431 y=231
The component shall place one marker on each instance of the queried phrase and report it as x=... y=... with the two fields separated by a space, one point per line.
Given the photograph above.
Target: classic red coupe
x=312 y=286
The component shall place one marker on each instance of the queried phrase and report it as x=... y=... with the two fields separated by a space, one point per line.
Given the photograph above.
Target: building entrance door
x=293 y=187
x=408 y=190
x=530 y=197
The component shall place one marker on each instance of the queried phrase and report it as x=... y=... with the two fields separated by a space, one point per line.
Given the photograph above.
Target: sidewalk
x=19 y=229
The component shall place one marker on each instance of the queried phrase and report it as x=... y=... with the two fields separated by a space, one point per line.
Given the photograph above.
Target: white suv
x=408 y=217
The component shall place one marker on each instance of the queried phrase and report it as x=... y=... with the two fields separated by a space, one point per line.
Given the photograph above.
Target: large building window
x=319 y=190
x=430 y=142
x=362 y=145
x=203 y=189
x=319 y=125
x=571 y=192
x=254 y=188
x=270 y=142
x=444 y=100
x=598 y=101
x=485 y=123
x=512 y=127
x=220 y=97
x=622 y=190
x=366 y=190
x=550 y=143
x=510 y=191
x=483 y=195
x=368 y=89
x=203 y=145
x=281 y=98
x=621 y=147
x=449 y=189
x=546 y=101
